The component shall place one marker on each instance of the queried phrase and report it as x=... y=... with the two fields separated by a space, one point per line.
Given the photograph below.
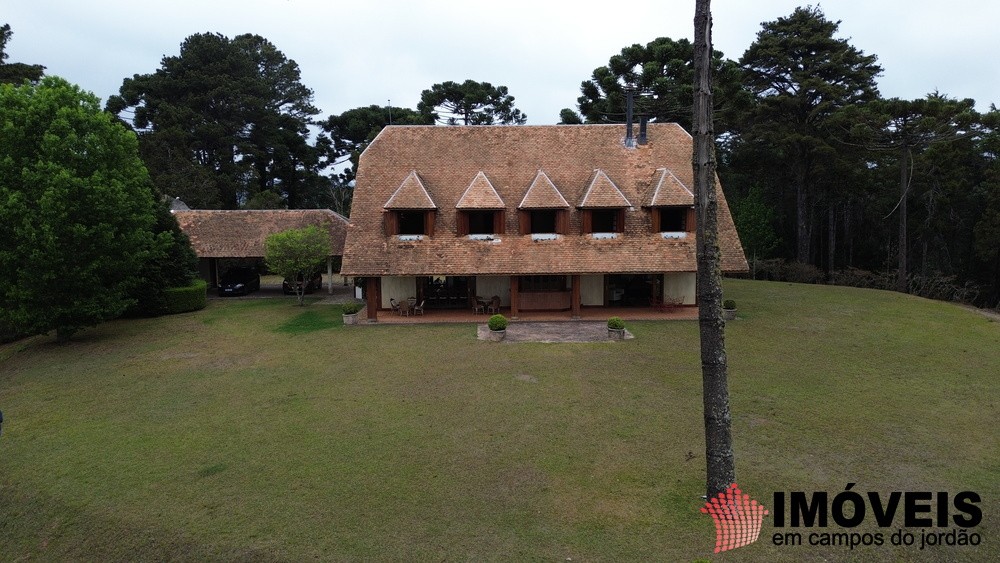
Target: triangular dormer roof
x=480 y=195
x=411 y=194
x=603 y=193
x=668 y=190
x=542 y=194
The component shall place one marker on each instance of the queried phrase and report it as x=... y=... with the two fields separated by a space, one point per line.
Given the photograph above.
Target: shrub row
x=934 y=286
x=185 y=299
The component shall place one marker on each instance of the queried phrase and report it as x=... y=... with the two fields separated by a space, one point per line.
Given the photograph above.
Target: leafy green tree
x=76 y=210
x=297 y=252
x=470 y=103
x=352 y=131
x=661 y=73
x=224 y=120
x=754 y=219
x=802 y=75
x=171 y=263
x=15 y=73
x=569 y=117
x=908 y=128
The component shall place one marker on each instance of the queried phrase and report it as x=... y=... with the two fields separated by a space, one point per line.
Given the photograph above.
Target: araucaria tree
x=15 y=73
x=225 y=123
x=802 y=76
x=297 y=252
x=719 y=457
x=76 y=210
x=470 y=103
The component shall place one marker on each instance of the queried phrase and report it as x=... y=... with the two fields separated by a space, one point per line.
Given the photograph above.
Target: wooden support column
x=329 y=275
x=575 y=299
x=514 y=297
x=373 y=299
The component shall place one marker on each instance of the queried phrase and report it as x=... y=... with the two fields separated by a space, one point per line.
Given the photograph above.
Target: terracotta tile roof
x=241 y=234
x=411 y=194
x=669 y=190
x=542 y=194
x=480 y=195
x=512 y=157
x=603 y=193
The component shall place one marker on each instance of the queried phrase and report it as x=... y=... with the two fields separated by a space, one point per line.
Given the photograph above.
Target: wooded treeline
x=827 y=180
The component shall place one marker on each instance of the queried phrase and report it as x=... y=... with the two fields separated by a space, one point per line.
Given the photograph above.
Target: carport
x=223 y=234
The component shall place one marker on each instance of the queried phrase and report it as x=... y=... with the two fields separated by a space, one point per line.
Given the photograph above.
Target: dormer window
x=543 y=210
x=479 y=213
x=410 y=211
x=405 y=222
x=673 y=220
x=602 y=209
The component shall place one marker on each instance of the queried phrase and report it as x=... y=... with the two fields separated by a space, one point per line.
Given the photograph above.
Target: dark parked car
x=315 y=282
x=239 y=281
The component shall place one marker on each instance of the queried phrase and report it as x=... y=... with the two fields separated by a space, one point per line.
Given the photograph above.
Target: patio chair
x=395 y=306
x=494 y=305
x=419 y=309
x=478 y=306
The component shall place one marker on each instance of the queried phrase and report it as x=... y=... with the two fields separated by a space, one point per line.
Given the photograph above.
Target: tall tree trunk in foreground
x=718 y=436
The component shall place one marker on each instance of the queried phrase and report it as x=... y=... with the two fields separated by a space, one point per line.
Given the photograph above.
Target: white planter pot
x=497 y=335
x=350 y=319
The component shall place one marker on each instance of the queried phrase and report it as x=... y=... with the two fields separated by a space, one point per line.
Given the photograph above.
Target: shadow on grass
x=312 y=321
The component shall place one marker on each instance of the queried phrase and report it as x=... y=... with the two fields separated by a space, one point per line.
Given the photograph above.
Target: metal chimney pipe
x=629 y=141
x=642 y=130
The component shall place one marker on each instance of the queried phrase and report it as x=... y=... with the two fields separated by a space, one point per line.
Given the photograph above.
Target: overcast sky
x=366 y=52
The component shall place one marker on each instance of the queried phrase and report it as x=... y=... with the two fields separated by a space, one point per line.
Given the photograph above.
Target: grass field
x=255 y=429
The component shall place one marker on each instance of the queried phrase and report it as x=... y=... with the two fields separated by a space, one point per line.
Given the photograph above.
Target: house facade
x=547 y=218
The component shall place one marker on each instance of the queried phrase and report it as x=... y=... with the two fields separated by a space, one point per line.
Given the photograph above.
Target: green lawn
x=255 y=429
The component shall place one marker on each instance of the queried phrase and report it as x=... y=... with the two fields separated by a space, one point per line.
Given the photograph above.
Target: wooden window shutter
x=562 y=222
x=462 y=223
x=654 y=215
x=390 y=221
x=498 y=222
x=620 y=221
x=690 y=221
x=586 y=221
x=524 y=219
x=429 y=223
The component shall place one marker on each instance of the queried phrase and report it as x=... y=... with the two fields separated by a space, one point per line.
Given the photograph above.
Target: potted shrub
x=350 y=311
x=729 y=310
x=498 y=327
x=616 y=328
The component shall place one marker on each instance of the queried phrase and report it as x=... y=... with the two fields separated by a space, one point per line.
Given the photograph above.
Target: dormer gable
x=669 y=190
x=480 y=195
x=543 y=194
x=603 y=193
x=411 y=194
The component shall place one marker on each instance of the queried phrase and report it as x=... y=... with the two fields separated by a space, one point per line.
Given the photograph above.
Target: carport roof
x=241 y=234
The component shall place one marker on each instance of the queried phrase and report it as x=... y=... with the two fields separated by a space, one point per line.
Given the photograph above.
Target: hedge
x=184 y=299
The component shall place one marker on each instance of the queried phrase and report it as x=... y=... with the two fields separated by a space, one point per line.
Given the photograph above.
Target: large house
x=544 y=217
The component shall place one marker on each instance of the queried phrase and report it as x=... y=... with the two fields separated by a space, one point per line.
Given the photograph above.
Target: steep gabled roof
x=542 y=194
x=480 y=195
x=668 y=190
x=411 y=194
x=241 y=234
x=545 y=166
x=603 y=193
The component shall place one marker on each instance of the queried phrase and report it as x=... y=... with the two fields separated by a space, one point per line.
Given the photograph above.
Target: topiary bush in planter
x=351 y=307
x=616 y=328
x=729 y=310
x=497 y=322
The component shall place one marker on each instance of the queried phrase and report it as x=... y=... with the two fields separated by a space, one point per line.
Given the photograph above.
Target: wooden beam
x=514 y=296
x=575 y=299
x=373 y=299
